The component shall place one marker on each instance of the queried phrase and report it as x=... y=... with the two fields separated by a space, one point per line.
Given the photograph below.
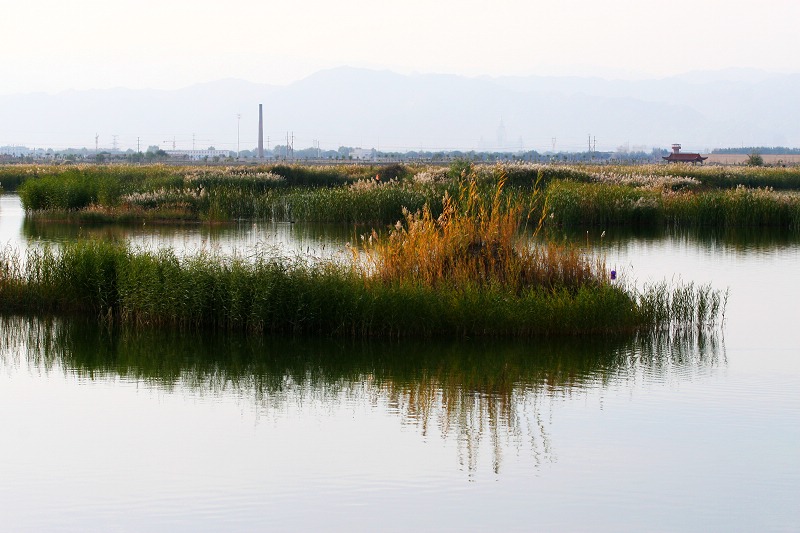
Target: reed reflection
x=487 y=396
x=308 y=239
x=734 y=239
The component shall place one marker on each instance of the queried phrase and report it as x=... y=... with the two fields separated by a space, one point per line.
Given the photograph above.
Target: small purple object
x=613 y=274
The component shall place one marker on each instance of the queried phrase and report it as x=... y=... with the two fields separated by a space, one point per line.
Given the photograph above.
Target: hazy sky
x=53 y=45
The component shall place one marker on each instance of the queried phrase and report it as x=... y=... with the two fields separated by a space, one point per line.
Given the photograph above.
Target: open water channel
x=122 y=431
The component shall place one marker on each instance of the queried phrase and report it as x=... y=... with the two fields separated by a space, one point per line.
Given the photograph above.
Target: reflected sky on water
x=281 y=238
x=119 y=430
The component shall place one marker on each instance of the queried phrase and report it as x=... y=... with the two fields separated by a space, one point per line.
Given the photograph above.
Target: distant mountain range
x=390 y=111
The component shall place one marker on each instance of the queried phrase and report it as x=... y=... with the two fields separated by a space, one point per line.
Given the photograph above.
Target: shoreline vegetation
x=461 y=268
x=575 y=196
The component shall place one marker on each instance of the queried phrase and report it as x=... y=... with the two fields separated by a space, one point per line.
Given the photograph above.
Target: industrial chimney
x=260 y=132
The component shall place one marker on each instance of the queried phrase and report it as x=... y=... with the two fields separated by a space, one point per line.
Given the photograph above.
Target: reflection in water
x=316 y=240
x=488 y=396
x=747 y=239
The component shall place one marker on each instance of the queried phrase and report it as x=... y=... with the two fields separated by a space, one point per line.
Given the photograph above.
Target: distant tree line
x=281 y=152
x=747 y=150
x=348 y=153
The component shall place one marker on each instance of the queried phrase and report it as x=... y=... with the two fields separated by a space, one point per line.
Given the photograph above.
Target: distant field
x=740 y=159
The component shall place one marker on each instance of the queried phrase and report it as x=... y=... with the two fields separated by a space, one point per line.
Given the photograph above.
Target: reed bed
x=146 y=178
x=572 y=204
x=677 y=175
x=578 y=195
x=516 y=174
x=261 y=295
x=287 y=192
x=467 y=272
x=713 y=176
x=363 y=202
x=739 y=207
x=265 y=296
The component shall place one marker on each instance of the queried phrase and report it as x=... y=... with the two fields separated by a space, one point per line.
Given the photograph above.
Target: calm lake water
x=113 y=430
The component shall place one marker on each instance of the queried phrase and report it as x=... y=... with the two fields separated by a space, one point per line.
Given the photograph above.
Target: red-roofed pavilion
x=677 y=157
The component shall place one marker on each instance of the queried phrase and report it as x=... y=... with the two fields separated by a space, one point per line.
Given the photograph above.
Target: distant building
x=362 y=154
x=677 y=157
x=197 y=155
x=15 y=151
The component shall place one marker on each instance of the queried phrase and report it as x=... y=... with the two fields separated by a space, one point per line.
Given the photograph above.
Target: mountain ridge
x=390 y=111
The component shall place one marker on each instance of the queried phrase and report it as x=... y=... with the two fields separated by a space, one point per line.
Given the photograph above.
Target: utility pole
x=553 y=140
x=238 y=122
x=261 y=131
x=192 y=142
x=96 y=143
x=114 y=142
x=138 y=150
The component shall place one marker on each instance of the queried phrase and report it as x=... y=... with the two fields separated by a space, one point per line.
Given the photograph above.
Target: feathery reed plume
x=475 y=241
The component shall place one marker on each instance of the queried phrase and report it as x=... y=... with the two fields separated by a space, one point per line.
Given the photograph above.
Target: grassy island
x=462 y=268
x=575 y=196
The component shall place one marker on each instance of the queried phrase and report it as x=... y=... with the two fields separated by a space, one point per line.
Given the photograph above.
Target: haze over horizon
x=85 y=44
x=395 y=112
x=632 y=51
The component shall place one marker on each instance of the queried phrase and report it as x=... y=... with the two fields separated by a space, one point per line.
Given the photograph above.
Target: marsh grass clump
x=475 y=241
x=685 y=305
x=731 y=208
x=361 y=202
x=572 y=204
x=623 y=202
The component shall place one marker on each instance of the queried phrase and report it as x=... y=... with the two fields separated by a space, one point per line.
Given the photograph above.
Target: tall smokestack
x=260 y=132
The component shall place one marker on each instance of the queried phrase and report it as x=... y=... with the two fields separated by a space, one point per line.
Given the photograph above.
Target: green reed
x=598 y=204
x=264 y=295
x=740 y=207
x=125 y=193
x=573 y=204
x=578 y=195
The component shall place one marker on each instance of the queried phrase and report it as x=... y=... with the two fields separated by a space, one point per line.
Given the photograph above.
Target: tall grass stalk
x=475 y=242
